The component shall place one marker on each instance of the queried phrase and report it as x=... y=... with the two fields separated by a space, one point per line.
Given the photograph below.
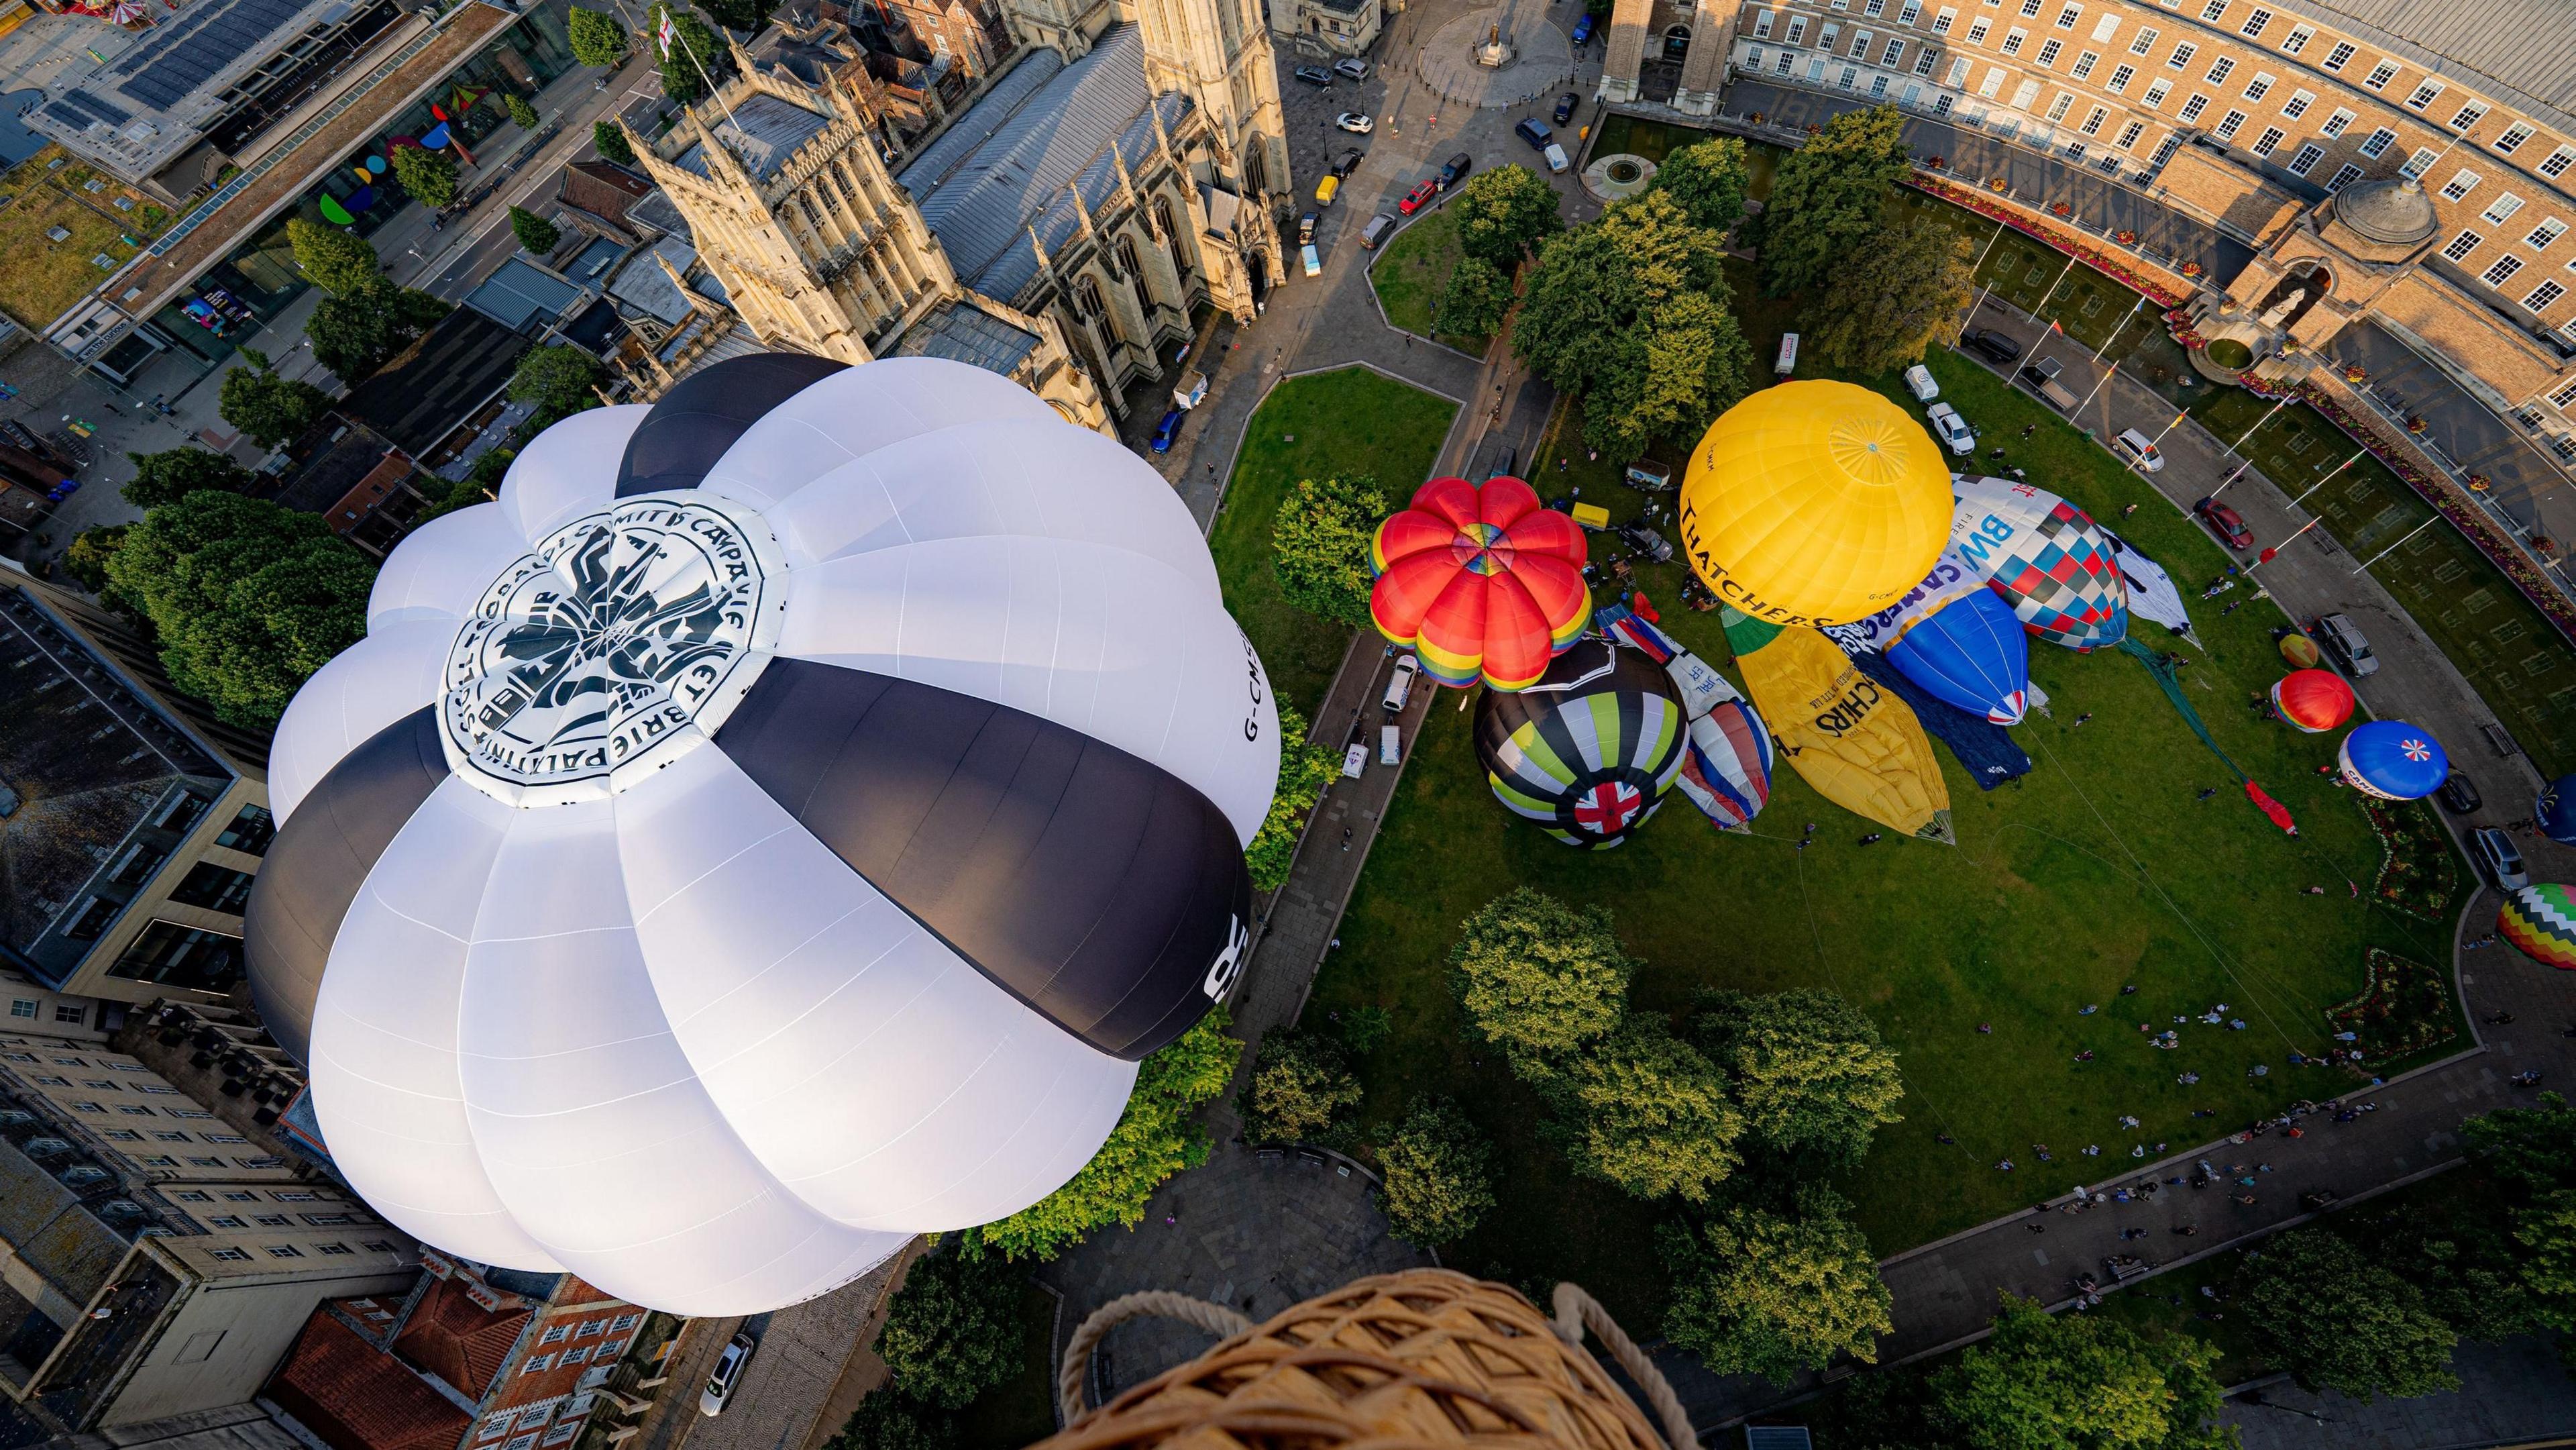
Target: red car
x=2228 y=524
x=1423 y=191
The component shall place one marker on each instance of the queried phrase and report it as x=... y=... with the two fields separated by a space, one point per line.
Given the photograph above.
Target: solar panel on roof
x=164 y=70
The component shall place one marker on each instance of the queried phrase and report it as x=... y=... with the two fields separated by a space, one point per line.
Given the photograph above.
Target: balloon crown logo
x=1483 y=549
x=2415 y=750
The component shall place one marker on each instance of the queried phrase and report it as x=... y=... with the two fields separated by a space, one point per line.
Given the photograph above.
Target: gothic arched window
x=1171 y=237
x=1256 y=175
x=1126 y=252
x=1086 y=298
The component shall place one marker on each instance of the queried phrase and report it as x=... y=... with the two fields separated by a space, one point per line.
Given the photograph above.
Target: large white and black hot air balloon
x=776 y=827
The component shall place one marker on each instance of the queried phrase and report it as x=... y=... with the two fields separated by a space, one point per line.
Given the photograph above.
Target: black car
x=1992 y=346
x=1532 y=131
x=2460 y=794
x=1455 y=170
x=1349 y=163
x=1565 y=105
x=1315 y=75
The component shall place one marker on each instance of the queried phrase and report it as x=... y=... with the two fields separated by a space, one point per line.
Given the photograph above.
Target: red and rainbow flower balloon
x=1481 y=581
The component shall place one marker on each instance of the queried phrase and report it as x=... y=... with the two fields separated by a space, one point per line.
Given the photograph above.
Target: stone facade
x=1330 y=27
x=1670 y=50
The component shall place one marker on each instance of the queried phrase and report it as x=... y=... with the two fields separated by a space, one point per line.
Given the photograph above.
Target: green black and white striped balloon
x=1591 y=749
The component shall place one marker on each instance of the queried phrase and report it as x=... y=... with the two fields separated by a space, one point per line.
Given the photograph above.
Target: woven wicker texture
x=1423 y=1358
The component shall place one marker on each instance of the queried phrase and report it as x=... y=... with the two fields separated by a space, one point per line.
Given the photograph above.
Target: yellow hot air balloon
x=1814 y=503
x=1852 y=739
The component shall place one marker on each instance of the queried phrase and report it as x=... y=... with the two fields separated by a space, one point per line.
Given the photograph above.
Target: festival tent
x=699 y=819
x=1855 y=741
x=1590 y=749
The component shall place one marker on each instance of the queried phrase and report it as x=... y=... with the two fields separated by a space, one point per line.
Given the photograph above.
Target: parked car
x=2497 y=858
x=1390 y=745
x=1555 y=155
x=1647 y=542
x=1455 y=170
x=2225 y=522
x=1351 y=69
x=1355 y=760
x=1376 y=230
x=2139 y=449
x=1494 y=459
x=2460 y=794
x=1992 y=346
x=1355 y=122
x=1422 y=192
x=1310 y=261
x=1349 y=162
x=1918 y=381
x=727 y=1374
x=1314 y=75
x=1306 y=229
x=1400 y=688
x=1326 y=188
x=1953 y=429
x=1565 y=105
x=1582 y=28
x=1649 y=476
x=1167 y=430
x=1532 y=130
x=2345 y=644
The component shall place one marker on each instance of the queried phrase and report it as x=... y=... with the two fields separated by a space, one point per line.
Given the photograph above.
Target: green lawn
x=1350 y=421
x=1411 y=272
x=2102 y=869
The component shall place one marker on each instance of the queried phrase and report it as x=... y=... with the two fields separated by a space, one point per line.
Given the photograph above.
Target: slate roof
x=519 y=291
x=420 y=397
x=49 y=1230
x=644 y=286
x=1017 y=150
x=2524 y=48
x=964 y=332
x=764 y=132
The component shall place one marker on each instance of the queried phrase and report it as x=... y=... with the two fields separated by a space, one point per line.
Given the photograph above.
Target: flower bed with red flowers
x=2124 y=273
x=2419 y=873
x=2404 y=1008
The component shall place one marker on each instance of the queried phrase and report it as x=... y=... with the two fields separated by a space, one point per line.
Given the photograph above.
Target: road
x=810 y=1369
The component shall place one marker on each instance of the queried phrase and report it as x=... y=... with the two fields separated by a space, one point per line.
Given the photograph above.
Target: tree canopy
x=430 y=176
x=248 y=598
x=611 y=143
x=175 y=473
x=1642 y=1111
x=742 y=15
x=1474 y=303
x=1500 y=214
x=1319 y=545
x=1807 y=1067
x=1301 y=1086
x=681 y=80
x=1827 y=198
x=1755 y=1292
x=1438 y=1182
x=337 y=261
x=534 y=233
x=952 y=1332
x=1709 y=180
x=557 y=378
x=888 y=1420
x=2336 y=1319
x=1305 y=768
x=2079 y=1382
x=2533 y=1149
x=273 y=410
x=1539 y=979
x=598 y=38
x=1156 y=1137
x=356 y=333
x=522 y=114
x=91 y=548
x=1892 y=300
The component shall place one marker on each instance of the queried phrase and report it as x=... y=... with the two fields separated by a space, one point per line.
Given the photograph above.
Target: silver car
x=728 y=1373
x=1954 y=430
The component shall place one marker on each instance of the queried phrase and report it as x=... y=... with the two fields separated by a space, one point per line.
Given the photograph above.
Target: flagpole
x=2246 y=463
x=2338 y=468
x=2097 y=387
x=1979 y=266
x=668 y=32
x=2123 y=327
x=2266 y=556
x=2391 y=549
x=2053 y=286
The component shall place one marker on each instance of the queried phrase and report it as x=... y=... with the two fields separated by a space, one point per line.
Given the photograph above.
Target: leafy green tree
x=1755 y=1292
x=481 y=484
x=952 y=1331
x=534 y=232
x=2546 y=1229
x=1539 y=979
x=356 y=333
x=2079 y=1382
x=339 y=262
x=1474 y=303
x=558 y=379
x=1827 y=197
x=2474 y=1280
x=1644 y=1112
x=1709 y=180
x=175 y=473
x=1882 y=307
x=1696 y=364
x=86 y=559
x=892 y=1420
x=1500 y=214
x=2337 y=1319
x=1437 y=1175
x=597 y=39
x=271 y=409
x=248 y=598
x=742 y=15
x=1305 y=768
x=680 y=74
x=1807 y=1067
x=430 y=176
x=522 y=114
x=2532 y=1149
x=1155 y=1138
x=611 y=143
x=1319 y=545
x=1301 y=1085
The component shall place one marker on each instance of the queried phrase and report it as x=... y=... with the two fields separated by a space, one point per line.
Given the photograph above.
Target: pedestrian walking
x=1872 y=838
x=2080 y=719
x=2186 y=1230
x=1987 y=1028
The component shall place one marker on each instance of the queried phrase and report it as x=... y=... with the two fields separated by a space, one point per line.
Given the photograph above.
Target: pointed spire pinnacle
x=1045 y=263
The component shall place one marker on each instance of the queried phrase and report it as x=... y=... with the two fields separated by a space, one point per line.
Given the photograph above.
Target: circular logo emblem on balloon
x=621 y=640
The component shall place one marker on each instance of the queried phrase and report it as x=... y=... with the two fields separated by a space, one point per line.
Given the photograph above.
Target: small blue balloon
x=2556 y=810
x=2394 y=760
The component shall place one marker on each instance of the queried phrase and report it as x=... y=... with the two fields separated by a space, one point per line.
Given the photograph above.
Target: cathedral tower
x=1217 y=52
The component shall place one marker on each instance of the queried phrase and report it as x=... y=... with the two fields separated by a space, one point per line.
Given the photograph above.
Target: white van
x=1390 y=745
x=1401 y=687
x=1918 y=380
x=1555 y=155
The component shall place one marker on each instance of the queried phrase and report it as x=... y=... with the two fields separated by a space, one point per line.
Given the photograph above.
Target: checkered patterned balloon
x=2540 y=921
x=2046 y=557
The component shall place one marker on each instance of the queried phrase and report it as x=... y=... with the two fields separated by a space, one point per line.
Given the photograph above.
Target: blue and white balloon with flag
x=2394 y=761
x=1957 y=639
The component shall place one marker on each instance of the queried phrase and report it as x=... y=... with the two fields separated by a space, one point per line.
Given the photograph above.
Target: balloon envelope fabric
x=1481 y=581
x=1851 y=738
x=2540 y=921
x=1589 y=751
x=2312 y=701
x=2393 y=760
x=773 y=829
x=1813 y=503
x=2047 y=559
x=2556 y=810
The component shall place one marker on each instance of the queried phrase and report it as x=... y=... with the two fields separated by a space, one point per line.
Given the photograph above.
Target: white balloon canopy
x=775 y=828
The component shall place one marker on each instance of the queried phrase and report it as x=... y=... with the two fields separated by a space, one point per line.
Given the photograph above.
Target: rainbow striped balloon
x=2540 y=920
x=1481 y=581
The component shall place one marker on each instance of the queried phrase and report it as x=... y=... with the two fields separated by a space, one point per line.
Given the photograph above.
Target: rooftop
x=644 y=286
x=356 y=1398
x=420 y=397
x=520 y=290
x=2523 y=50
x=964 y=332
x=1005 y=165
x=763 y=133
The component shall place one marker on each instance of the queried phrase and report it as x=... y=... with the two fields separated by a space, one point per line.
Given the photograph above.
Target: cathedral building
x=1129 y=167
